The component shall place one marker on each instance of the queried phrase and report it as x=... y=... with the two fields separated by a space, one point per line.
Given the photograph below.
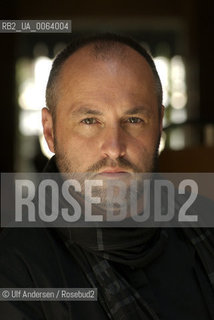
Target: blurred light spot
x=177 y=139
x=178 y=83
x=177 y=68
x=178 y=100
x=162 y=142
x=209 y=135
x=165 y=122
x=178 y=115
x=32 y=95
x=30 y=122
x=162 y=65
x=28 y=97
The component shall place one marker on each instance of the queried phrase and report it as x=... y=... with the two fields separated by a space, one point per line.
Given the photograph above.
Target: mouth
x=113 y=173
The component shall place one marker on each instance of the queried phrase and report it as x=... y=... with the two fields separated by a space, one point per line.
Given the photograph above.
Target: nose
x=113 y=143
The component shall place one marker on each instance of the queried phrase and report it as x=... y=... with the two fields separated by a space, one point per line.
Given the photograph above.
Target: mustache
x=119 y=162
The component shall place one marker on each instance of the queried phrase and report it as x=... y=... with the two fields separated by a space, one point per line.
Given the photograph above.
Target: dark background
x=196 y=18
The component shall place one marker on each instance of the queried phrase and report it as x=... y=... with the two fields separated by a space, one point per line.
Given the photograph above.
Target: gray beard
x=107 y=198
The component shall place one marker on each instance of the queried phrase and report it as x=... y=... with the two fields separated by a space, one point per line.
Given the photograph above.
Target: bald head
x=106 y=47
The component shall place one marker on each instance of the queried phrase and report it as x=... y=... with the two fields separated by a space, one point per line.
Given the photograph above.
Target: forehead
x=119 y=75
x=90 y=57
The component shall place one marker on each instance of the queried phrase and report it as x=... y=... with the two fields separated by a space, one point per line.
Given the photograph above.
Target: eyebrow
x=138 y=110
x=86 y=111
x=89 y=111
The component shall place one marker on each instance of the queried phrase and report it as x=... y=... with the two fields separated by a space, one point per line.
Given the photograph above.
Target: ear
x=47 y=122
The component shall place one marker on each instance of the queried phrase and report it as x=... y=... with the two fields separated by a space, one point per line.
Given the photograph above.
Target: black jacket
x=38 y=258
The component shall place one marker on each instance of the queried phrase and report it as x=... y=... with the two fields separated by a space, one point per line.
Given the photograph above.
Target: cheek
x=143 y=149
x=144 y=144
x=81 y=152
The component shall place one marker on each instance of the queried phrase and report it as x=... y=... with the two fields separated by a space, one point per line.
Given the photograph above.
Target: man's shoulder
x=34 y=257
x=38 y=258
x=27 y=240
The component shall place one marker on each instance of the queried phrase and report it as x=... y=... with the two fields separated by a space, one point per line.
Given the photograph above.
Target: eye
x=89 y=121
x=135 y=120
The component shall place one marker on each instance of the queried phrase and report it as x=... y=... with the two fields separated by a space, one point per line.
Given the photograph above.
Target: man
x=104 y=118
